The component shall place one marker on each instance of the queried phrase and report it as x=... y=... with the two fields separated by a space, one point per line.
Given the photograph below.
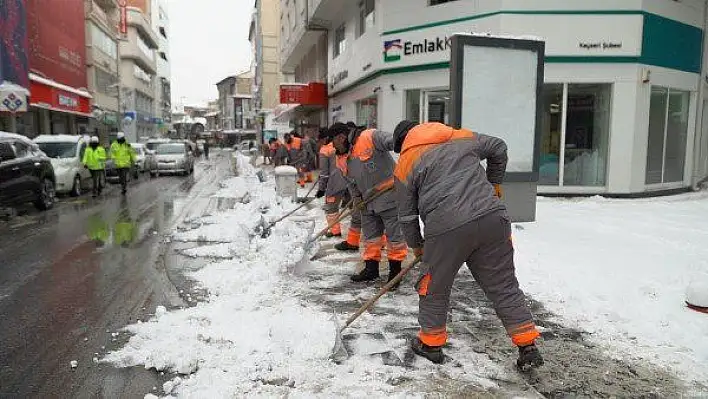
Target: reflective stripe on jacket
x=370 y=166
x=331 y=180
x=95 y=159
x=122 y=154
x=439 y=177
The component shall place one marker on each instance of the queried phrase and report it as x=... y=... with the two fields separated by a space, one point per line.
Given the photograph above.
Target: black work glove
x=85 y=166
x=320 y=194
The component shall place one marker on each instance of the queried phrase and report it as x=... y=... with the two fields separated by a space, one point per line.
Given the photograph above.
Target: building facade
x=264 y=35
x=102 y=65
x=163 y=86
x=59 y=99
x=14 y=65
x=138 y=74
x=303 y=57
x=624 y=105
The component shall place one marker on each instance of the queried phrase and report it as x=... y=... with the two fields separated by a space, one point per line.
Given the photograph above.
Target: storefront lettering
x=427 y=46
x=339 y=77
x=66 y=101
x=600 y=45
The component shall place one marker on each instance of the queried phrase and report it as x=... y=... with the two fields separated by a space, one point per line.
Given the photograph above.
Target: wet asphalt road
x=72 y=276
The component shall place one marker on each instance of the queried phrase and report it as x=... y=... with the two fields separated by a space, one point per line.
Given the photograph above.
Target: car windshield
x=58 y=149
x=170 y=149
x=152 y=146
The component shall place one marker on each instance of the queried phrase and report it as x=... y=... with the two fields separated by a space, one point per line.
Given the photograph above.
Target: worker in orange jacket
x=368 y=169
x=440 y=180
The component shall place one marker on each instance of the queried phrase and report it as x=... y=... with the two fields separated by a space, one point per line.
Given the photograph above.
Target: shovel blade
x=339 y=352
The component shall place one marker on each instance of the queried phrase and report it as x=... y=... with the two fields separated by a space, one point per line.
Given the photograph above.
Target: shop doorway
x=436 y=106
x=428 y=106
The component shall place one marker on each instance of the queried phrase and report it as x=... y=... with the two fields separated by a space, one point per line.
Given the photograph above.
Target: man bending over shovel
x=368 y=170
x=439 y=178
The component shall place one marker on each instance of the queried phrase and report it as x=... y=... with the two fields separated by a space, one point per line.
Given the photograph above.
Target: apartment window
x=366 y=16
x=104 y=81
x=145 y=49
x=340 y=40
x=668 y=132
x=140 y=74
x=103 y=42
x=436 y=2
x=575 y=135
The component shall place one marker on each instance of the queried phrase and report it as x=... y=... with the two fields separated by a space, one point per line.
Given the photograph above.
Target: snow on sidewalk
x=619 y=269
x=257 y=335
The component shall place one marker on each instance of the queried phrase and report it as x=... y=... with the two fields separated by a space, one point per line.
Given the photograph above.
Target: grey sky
x=209 y=41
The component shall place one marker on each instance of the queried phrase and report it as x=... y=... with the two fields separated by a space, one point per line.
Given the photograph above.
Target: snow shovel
x=305 y=198
x=264 y=228
x=339 y=352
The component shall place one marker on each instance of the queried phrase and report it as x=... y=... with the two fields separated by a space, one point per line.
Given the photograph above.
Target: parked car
x=176 y=157
x=152 y=144
x=146 y=160
x=66 y=153
x=26 y=173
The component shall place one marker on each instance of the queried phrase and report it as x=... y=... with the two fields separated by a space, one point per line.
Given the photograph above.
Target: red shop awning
x=48 y=94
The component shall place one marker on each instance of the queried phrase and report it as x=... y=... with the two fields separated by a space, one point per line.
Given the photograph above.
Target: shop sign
x=58 y=99
x=66 y=101
x=12 y=101
x=338 y=78
x=393 y=49
x=600 y=45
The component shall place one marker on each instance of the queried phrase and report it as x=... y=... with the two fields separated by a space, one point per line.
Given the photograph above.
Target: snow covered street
x=606 y=278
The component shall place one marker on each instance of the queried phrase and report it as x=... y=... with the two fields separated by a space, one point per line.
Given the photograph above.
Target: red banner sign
x=306 y=94
x=57 y=99
x=57 y=40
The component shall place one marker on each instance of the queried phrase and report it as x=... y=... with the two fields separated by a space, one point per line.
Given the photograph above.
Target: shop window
x=413 y=105
x=587 y=135
x=668 y=132
x=340 y=41
x=575 y=135
x=366 y=16
x=366 y=112
x=549 y=167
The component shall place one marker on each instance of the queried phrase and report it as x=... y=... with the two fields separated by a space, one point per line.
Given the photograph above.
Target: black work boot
x=345 y=246
x=330 y=234
x=394 y=267
x=370 y=272
x=529 y=357
x=432 y=353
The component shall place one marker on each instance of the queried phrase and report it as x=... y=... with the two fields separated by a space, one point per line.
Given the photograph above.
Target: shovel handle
x=381 y=292
x=280 y=219
x=347 y=212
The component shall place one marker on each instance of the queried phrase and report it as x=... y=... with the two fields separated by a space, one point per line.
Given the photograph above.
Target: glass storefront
x=436 y=106
x=668 y=132
x=575 y=136
x=366 y=112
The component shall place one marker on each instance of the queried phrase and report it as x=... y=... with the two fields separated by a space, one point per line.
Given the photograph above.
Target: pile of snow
x=257 y=334
x=619 y=269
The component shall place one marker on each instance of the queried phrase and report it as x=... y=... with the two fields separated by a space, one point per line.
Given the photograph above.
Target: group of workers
x=439 y=180
x=122 y=154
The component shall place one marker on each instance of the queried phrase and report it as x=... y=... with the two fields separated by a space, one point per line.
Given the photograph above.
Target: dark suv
x=26 y=174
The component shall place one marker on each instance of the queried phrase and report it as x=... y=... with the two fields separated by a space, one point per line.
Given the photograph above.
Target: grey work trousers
x=485 y=245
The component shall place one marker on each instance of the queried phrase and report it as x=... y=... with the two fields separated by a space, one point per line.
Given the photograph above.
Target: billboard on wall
x=13 y=42
x=57 y=40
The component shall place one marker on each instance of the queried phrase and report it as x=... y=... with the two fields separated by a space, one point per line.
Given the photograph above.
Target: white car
x=145 y=160
x=66 y=153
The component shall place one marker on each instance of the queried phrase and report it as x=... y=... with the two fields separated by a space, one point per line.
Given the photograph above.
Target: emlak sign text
x=394 y=49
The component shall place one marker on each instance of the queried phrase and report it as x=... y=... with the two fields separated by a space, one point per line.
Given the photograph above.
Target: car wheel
x=76 y=187
x=153 y=174
x=45 y=197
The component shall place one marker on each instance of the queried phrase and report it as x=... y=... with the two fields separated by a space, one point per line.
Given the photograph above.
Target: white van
x=66 y=153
